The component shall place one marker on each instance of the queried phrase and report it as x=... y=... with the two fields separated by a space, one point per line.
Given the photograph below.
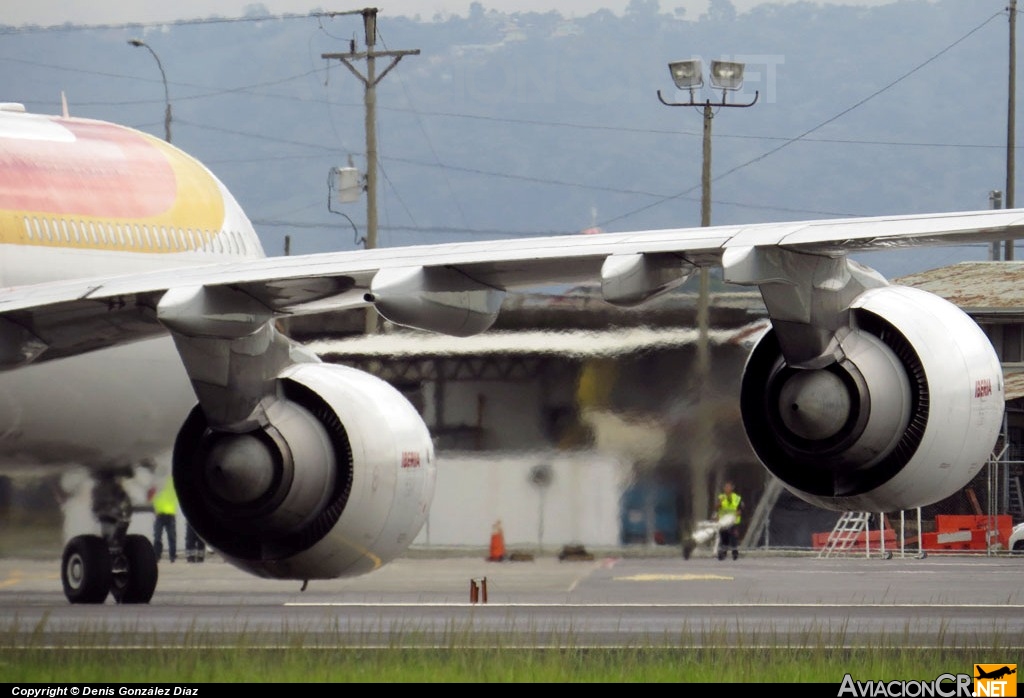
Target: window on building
x=1011 y=344
x=1015 y=444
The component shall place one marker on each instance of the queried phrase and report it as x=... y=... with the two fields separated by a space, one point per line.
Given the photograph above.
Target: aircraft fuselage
x=80 y=198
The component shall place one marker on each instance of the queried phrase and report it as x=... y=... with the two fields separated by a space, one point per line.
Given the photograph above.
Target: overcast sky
x=51 y=12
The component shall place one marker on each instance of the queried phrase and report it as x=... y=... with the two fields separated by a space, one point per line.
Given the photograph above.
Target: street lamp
x=726 y=76
x=163 y=75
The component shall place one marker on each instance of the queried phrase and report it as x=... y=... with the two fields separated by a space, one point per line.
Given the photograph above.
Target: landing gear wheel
x=85 y=570
x=135 y=574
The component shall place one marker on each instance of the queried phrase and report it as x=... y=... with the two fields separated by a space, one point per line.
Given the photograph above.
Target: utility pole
x=1011 y=121
x=995 y=202
x=705 y=174
x=369 y=81
x=704 y=452
x=726 y=76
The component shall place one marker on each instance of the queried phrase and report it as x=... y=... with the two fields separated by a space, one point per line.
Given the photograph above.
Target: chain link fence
x=978 y=519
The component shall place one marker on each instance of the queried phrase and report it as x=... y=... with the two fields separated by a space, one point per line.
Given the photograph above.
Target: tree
x=721 y=11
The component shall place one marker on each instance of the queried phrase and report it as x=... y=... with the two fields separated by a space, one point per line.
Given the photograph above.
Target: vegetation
x=528 y=123
x=319 y=664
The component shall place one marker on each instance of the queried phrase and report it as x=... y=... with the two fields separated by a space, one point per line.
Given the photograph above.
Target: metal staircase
x=846 y=533
x=1016 y=509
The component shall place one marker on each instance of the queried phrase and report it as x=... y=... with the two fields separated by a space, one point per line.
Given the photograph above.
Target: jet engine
x=905 y=416
x=336 y=481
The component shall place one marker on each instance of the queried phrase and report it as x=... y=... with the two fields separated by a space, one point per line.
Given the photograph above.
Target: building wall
x=580 y=505
x=643 y=422
x=493 y=415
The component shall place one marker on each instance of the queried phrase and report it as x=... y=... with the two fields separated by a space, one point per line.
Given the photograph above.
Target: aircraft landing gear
x=113 y=563
x=133 y=574
x=85 y=570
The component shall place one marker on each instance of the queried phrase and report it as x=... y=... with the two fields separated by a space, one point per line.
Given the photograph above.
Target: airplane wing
x=54 y=320
x=861 y=397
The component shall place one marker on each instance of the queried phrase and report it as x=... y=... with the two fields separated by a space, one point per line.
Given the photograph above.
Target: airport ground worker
x=165 y=507
x=730 y=509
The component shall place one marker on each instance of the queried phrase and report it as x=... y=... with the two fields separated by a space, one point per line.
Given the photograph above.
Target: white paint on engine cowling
x=436 y=299
x=393 y=479
x=966 y=403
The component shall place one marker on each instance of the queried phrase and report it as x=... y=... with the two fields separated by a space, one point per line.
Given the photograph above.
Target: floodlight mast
x=726 y=76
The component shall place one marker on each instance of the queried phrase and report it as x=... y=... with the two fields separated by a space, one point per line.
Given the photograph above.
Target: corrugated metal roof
x=1013 y=383
x=975 y=287
x=579 y=343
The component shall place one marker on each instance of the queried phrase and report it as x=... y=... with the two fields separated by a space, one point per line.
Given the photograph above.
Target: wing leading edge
x=53 y=320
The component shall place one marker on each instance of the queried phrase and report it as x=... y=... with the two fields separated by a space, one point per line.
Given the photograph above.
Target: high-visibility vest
x=166 y=500
x=729 y=504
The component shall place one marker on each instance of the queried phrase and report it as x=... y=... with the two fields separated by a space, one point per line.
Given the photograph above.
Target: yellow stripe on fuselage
x=193 y=219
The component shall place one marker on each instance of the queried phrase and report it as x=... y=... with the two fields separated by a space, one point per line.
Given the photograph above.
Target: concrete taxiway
x=611 y=600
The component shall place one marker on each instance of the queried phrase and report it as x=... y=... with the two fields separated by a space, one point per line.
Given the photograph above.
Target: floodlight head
x=726 y=75
x=136 y=42
x=687 y=75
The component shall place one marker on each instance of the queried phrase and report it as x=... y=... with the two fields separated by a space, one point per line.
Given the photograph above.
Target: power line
x=430 y=144
x=258 y=136
x=64 y=28
x=786 y=141
x=370 y=81
x=828 y=121
x=695 y=134
x=442 y=230
x=476 y=171
x=212 y=91
x=595 y=187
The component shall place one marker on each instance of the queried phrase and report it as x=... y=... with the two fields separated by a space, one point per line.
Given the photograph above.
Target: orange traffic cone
x=497 y=543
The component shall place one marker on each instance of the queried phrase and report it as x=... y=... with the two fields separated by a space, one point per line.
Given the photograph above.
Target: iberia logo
x=995 y=679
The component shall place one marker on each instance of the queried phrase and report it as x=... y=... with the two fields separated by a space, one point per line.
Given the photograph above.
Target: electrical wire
x=809 y=131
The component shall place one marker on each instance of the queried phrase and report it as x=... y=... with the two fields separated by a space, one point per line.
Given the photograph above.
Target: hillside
x=529 y=123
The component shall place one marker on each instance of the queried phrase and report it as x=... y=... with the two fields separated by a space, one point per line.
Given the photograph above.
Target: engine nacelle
x=906 y=419
x=337 y=482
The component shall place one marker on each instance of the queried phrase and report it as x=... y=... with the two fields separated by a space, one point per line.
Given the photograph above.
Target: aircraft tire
x=85 y=570
x=135 y=582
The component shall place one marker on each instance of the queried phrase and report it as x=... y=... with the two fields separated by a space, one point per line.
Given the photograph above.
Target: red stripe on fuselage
x=106 y=172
